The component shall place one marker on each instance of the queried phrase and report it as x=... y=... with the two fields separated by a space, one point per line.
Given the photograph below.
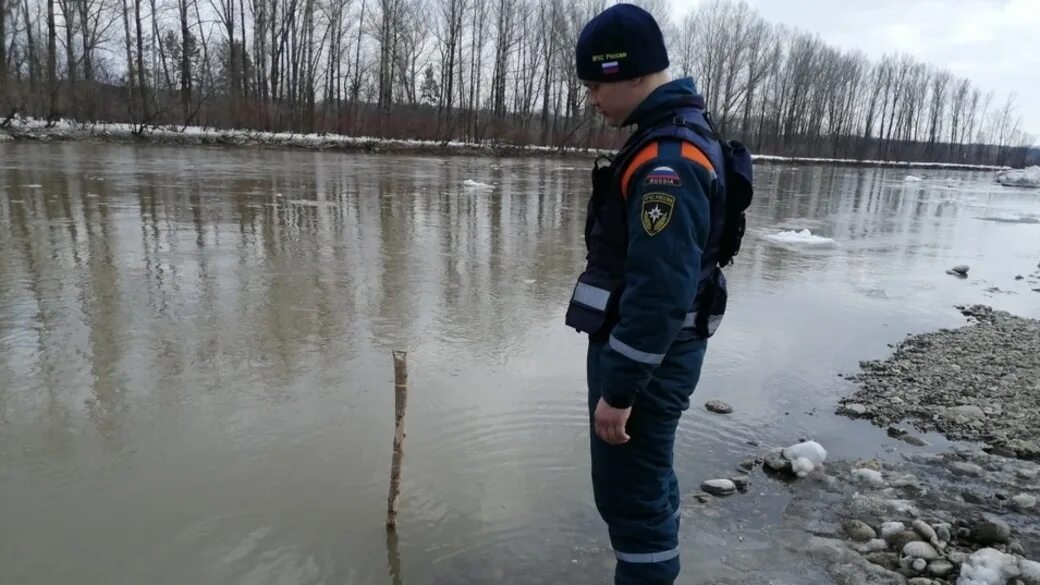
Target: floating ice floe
x=801 y=238
x=1027 y=177
x=471 y=184
x=912 y=179
x=33 y=186
x=1012 y=218
x=309 y=202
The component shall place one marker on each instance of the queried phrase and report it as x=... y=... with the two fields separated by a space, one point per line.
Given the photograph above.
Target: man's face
x=614 y=101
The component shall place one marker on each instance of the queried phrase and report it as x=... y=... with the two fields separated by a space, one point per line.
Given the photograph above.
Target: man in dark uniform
x=652 y=292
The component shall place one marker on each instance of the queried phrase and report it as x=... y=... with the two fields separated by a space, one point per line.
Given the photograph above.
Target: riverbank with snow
x=65 y=130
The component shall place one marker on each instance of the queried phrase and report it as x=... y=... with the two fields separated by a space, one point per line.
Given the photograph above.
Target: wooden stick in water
x=400 y=401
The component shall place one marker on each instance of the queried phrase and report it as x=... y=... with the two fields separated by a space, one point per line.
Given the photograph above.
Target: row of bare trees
x=787 y=91
x=475 y=70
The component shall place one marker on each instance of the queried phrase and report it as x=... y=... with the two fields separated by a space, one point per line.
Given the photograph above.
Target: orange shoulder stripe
x=650 y=152
x=691 y=152
x=644 y=156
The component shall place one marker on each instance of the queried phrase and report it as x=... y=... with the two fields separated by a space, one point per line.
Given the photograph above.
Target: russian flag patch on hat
x=610 y=67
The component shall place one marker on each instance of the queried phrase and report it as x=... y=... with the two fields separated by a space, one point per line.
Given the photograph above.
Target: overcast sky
x=994 y=43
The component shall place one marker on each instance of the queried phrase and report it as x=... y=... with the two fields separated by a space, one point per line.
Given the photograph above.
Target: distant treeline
x=474 y=70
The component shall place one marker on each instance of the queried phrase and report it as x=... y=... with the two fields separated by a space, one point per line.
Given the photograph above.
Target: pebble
x=990 y=531
x=920 y=581
x=967 y=410
x=899 y=541
x=972 y=497
x=718 y=407
x=853 y=409
x=888 y=560
x=702 y=498
x=1017 y=548
x=962 y=468
x=719 y=487
x=890 y=529
x=1026 y=473
x=741 y=481
x=943 y=532
x=858 y=530
x=926 y=531
x=776 y=461
x=1003 y=452
x=957 y=557
x=920 y=565
x=961 y=269
x=940 y=568
x=877 y=545
x=920 y=550
x=1023 y=502
x=915 y=441
x=868 y=477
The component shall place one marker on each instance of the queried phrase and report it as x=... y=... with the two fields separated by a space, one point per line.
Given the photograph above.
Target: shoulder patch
x=664 y=176
x=656 y=212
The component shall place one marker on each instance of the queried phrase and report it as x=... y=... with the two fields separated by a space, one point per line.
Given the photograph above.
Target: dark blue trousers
x=635 y=487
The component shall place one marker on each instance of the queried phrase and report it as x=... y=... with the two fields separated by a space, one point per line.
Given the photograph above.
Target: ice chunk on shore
x=1027 y=177
x=805 y=457
x=988 y=566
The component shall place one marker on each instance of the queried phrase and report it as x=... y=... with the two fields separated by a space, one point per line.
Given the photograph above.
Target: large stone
x=853 y=409
x=899 y=541
x=969 y=469
x=961 y=269
x=858 y=530
x=990 y=531
x=890 y=529
x=776 y=461
x=920 y=581
x=1023 y=502
x=926 y=531
x=719 y=487
x=888 y=560
x=1026 y=473
x=920 y=550
x=718 y=406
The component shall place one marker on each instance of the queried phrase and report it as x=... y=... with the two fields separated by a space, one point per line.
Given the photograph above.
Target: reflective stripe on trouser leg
x=634 y=484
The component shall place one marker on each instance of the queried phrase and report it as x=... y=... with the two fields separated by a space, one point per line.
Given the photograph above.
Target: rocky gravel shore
x=968 y=516
x=980 y=382
x=921 y=520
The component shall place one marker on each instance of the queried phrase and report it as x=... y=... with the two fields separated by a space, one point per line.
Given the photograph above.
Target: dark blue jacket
x=668 y=188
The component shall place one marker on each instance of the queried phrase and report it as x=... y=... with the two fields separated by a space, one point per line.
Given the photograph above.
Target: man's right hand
x=610 y=423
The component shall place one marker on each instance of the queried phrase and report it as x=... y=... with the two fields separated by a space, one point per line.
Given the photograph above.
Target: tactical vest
x=594 y=304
